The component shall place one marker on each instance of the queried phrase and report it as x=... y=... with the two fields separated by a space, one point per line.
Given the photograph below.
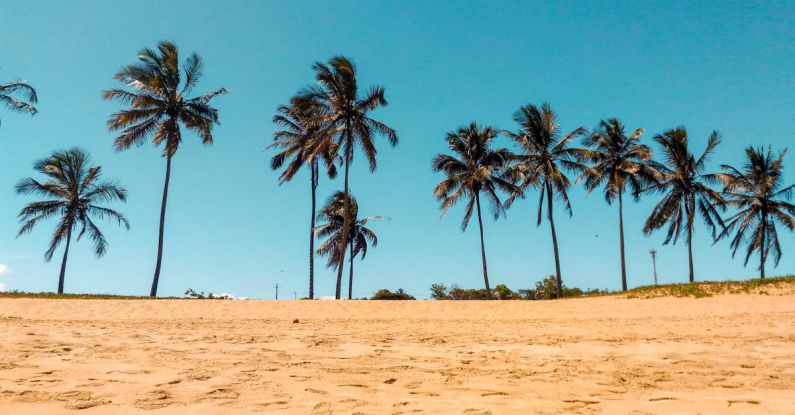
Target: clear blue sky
x=230 y=227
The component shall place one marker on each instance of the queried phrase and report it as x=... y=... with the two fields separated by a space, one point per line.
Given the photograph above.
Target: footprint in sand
x=155 y=399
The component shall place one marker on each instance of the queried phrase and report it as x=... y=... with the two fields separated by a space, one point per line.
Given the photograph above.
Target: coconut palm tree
x=296 y=142
x=686 y=190
x=475 y=169
x=761 y=201
x=9 y=97
x=345 y=116
x=157 y=97
x=544 y=158
x=72 y=191
x=359 y=236
x=618 y=160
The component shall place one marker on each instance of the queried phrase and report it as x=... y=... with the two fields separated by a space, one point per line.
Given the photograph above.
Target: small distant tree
x=384 y=294
x=439 y=292
x=547 y=288
x=502 y=292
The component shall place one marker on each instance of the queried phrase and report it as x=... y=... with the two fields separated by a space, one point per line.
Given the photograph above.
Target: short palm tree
x=761 y=201
x=618 y=160
x=9 y=97
x=544 y=158
x=475 y=169
x=345 y=116
x=296 y=142
x=359 y=236
x=686 y=190
x=158 y=105
x=72 y=190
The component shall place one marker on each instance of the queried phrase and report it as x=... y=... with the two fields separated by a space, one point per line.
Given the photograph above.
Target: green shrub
x=385 y=294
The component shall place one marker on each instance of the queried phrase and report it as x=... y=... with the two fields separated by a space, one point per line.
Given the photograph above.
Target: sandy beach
x=728 y=354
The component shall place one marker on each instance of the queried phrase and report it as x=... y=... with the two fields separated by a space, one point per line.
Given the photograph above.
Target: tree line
x=327 y=122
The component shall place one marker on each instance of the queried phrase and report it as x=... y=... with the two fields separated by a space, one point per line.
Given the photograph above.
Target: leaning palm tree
x=757 y=194
x=10 y=92
x=618 y=160
x=158 y=105
x=359 y=235
x=475 y=169
x=542 y=164
x=345 y=116
x=72 y=190
x=686 y=190
x=296 y=142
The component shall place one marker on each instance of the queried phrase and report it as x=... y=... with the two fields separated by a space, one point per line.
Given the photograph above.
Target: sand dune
x=730 y=354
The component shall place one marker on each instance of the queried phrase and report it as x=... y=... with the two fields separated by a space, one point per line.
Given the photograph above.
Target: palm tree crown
x=618 y=160
x=359 y=235
x=475 y=169
x=761 y=202
x=73 y=190
x=344 y=114
x=158 y=102
x=545 y=157
x=9 y=99
x=158 y=106
x=685 y=188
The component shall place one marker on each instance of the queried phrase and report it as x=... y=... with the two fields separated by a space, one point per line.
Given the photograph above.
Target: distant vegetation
x=545 y=289
x=708 y=289
x=385 y=294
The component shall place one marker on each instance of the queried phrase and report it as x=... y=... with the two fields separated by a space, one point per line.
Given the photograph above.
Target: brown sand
x=730 y=354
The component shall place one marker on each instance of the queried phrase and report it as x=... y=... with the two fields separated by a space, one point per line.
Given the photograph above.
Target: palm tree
x=475 y=169
x=72 y=191
x=618 y=161
x=685 y=190
x=158 y=106
x=345 y=116
x=296 y=142
x=8 y=97
x=545 y=155
x=359 y=236
x=756 y=192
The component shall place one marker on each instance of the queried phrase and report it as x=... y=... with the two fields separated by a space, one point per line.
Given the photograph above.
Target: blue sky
x=230 y=227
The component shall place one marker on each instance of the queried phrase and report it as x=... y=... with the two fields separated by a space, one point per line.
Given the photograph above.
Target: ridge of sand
x=727 y=354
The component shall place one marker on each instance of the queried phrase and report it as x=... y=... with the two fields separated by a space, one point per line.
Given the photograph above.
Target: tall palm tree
x=757 y=194
x=9 y=99
x=685 y=190
x=296 y=142
x=359 y=235
x=618 y=160
x=72 y=190
x=345 y=116
x=542 y=164
x=475 y=169
x=157 y=102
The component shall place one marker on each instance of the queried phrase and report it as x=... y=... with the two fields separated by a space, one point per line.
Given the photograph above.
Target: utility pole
x=295 y=295
x=277 y=291
x=653 y=253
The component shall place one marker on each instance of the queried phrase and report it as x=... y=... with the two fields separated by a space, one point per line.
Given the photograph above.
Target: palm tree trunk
x=350 y=273
x=690 y=254
x=558 y=278
x=156 y=280
x=762 y=251
x=621 y=241
x=345 y=223
x=483 y=248
x=63 y=262
x=314 y=180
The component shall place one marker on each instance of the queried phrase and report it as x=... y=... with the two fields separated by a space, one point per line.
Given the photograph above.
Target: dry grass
x=784 y=284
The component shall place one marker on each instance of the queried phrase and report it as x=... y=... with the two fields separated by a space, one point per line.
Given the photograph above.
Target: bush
x=545 y=289
x=385 y=294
